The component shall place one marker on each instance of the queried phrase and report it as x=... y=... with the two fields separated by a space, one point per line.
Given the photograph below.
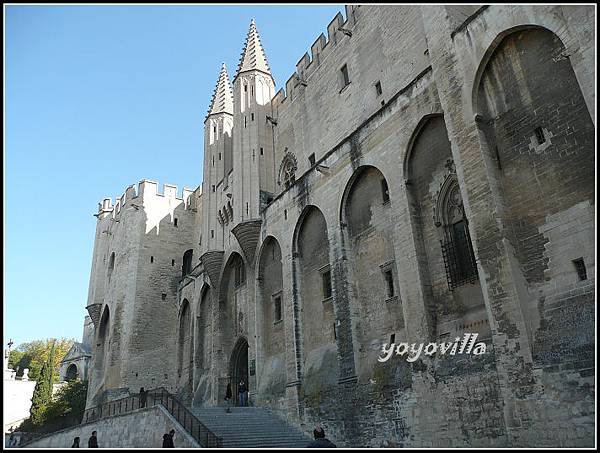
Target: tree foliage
x=42 y=394
x=34 y=354
x=67 y=405
x=65 y=409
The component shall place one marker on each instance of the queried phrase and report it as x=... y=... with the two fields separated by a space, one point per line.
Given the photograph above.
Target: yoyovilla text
x=413 y=351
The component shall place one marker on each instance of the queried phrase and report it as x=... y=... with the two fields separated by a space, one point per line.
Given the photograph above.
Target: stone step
x=265 y=438
x=251 y=427
x=265 y=442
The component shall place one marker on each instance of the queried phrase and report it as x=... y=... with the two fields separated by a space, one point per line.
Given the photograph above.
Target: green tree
x=34 y=354
x=67 y=406
x=42 y=394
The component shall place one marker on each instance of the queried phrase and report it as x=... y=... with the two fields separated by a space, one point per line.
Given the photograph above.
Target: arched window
x=239 y=271
x=187 y=262
x=457 y=249
x=185 y=346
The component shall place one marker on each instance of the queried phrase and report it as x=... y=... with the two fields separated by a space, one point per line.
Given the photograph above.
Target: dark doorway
x=238 y=367
x=71 y=373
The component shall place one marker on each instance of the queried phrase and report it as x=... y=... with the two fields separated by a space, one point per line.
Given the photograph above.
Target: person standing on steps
x=168 y=439
x=242 y=390
x=143 y=397
x=93 y=440
x=320 y=440
x=75 y=443
x=228 y=396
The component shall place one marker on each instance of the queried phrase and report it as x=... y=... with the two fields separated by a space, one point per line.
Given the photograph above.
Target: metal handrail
x=204 y=436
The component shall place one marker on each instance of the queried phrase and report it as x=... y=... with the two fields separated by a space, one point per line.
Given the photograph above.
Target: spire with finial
x=222 y=100
x=253 y=55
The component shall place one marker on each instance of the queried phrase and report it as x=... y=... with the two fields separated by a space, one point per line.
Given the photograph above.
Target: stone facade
x=428 y=171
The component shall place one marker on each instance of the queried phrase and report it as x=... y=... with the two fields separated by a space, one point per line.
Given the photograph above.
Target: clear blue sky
x=100 y=97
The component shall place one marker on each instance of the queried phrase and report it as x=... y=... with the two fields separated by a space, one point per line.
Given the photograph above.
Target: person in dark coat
x=93 y=441
x=168 y=439
x=75 y=443
x=228 y=396
x=242 y=389
x=320 y=440
x=143 y=397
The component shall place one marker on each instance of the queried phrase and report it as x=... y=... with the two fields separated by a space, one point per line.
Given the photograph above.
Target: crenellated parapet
x=134 y=197
x=338 y=29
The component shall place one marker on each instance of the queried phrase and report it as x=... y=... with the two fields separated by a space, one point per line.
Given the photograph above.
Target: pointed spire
x=253 y=55
x=222 y=100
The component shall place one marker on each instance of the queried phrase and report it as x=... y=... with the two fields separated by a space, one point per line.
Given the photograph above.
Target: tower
x=218 y=164
x=253 y=89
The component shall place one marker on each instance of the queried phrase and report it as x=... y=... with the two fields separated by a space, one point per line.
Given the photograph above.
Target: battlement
x=322 y=47
x=145 y=188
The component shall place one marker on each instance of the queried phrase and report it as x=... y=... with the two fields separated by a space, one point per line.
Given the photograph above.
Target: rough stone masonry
x=427 y=171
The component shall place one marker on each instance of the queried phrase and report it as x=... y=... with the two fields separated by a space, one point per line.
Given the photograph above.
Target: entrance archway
x=238 y=367
x=71 y=373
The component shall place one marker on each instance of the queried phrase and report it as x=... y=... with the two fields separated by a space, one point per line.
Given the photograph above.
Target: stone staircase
x=251 y=427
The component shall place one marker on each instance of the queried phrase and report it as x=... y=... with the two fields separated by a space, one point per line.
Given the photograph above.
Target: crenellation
x=317 y=48
x=333 y=29
x=303 y=64
x=290 y=86
x=170 y=191
x=130 y=193
x=148 y=187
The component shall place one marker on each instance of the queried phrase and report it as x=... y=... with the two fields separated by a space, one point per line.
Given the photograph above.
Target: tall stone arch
x=316 y=328
x=446 y=258
x=368 y=228
x=271 y=333
x=536 y=124
x=184 y=347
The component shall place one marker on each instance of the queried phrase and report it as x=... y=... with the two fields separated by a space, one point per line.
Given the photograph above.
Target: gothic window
x=187 y=262
x=289 y=175
x=239 y=272
x=457 y=249
x=287 y=170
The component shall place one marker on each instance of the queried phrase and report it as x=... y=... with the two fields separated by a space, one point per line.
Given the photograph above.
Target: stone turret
x=218 y=161
x=253 y=89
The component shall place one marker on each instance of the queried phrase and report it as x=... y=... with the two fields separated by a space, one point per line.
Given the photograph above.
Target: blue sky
x=100 y=97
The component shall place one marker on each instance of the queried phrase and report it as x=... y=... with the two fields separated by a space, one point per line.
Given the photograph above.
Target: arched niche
x=446 y=258
x=315 y=297
x=368 y=228
x=270 y=325
x=184 y=344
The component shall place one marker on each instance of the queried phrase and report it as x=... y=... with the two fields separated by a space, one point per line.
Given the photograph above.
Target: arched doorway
x=71 y=373
x=238 y=367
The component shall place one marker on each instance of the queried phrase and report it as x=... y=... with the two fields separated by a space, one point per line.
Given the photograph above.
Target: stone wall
x=142 y=428
x=451 y=138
